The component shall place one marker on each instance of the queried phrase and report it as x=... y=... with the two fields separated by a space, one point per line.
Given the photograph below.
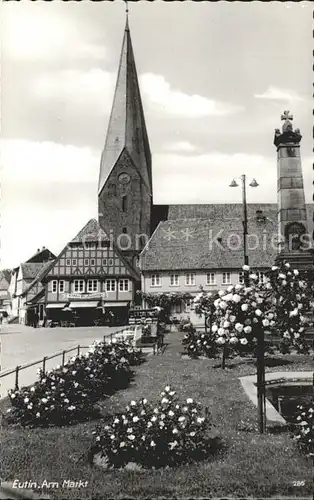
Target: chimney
x=38 y=249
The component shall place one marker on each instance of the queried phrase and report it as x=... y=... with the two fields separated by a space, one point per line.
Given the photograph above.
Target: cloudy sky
x=215 y=78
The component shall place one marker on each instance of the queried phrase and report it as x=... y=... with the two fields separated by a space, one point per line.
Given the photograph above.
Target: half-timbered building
x=90 y=277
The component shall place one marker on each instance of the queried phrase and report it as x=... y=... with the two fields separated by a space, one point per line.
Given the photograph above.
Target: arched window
x=125 y=230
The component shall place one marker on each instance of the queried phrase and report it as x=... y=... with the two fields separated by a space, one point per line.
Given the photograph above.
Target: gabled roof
x=45 y=268
x=92 y=231
x=192 y=244
x=30 y=270
x=42 y=255
x=126 y=128
x=5 y=274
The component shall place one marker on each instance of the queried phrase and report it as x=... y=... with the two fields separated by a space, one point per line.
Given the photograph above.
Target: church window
x=74 y=262
x=111 y=285
x=92 y=285
x=156 y=280
x=124 y=285
x=210 y=279
x=54 y=286
x=86 y=262
x=226 y=278
x=78 y=285
x=174 y=279
x=124 y=203
x=61 y=286
x=190 y=279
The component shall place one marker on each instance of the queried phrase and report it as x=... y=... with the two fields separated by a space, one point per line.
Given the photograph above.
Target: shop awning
x=89 y=303
x=115 y=304
x=55 y=306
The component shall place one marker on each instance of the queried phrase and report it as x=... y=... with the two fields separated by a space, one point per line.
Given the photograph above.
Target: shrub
x=200 y=344
x=154 y=436
x=304 y=434
x=67 y=394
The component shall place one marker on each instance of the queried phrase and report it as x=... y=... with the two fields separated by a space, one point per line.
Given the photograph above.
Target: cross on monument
x=286 y=116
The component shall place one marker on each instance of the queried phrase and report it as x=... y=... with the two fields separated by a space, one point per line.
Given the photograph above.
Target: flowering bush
x=305 y=432
x=199 y=344
x=274 y=306
x=68 y=393
x=154 y=436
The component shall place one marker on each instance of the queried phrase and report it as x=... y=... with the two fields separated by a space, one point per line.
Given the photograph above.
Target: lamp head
x=254 y=183
x=234 y=184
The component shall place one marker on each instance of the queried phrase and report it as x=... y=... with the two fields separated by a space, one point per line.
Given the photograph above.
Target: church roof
x=221 y=211
x=126 y=128
x=192 y=243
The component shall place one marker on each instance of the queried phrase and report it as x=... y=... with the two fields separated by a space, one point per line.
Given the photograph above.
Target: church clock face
x=124 y=178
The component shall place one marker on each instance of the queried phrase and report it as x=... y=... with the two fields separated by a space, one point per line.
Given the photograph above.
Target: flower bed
x=67 y=394
x=152 y=436
x=304 y=434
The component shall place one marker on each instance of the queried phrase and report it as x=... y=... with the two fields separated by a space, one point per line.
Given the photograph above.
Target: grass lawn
x=248 y=465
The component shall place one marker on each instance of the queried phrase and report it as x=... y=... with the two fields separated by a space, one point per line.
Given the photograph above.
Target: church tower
x=125 y=179
x=292 y=217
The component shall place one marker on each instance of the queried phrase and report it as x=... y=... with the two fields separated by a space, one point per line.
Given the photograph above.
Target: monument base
x=302 y=261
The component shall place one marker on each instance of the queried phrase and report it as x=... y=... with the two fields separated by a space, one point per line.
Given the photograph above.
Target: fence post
x=78 y=349
x=63 y=357
x=44 y=364
x=104 y=339
x=111 y=337
x=17 y=378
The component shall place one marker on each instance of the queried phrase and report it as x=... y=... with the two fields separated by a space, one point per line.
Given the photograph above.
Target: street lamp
x=260 y=350
x=253 y=184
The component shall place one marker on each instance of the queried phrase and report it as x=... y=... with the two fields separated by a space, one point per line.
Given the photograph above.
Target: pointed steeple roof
x=126 y=128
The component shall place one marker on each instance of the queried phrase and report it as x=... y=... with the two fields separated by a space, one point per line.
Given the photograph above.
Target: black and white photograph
x=156 y=250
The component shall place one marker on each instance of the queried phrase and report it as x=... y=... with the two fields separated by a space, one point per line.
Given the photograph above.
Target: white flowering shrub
x=239 y=313
x=198 y=344
x=304 y=434
x=68 y=393
x=167 y=433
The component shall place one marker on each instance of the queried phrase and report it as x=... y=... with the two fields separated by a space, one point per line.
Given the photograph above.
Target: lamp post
x=260 y=349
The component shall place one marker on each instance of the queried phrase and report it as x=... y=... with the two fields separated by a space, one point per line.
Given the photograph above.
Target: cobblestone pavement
x=22 y=344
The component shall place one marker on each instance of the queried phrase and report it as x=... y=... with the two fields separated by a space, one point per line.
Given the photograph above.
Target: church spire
x=126 y=128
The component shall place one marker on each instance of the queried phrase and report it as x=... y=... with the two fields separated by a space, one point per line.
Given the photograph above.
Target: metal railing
x=63 y=353
x=44 y=360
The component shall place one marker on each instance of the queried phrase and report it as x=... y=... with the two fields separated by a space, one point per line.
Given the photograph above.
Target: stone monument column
x=293 y=238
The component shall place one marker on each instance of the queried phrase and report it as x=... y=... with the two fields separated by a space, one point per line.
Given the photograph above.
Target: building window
x=54 y=286
x=86 y=262
x=92 y=262
x=90 y=245
x=74 y=262
x=110 y=262
x=124 y=230
x=188 y=304
x=190 y=279
x=79 y=285
x=111 y=285
x=178 y=307
x=210 y=279
x=61 y=286
x=261 y=276
x=104 y=262
x=124 y=204
x=156 y=280
x=174 y=280
x=241 y=277
x=68 y=262
x=226 y=278
x=124 y=285
x=92 y=285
